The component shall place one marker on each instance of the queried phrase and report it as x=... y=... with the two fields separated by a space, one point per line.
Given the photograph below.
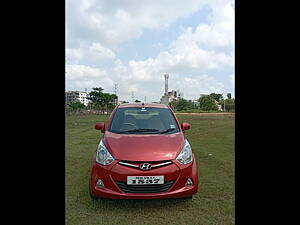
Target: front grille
x=154 y=164
x=153 y=188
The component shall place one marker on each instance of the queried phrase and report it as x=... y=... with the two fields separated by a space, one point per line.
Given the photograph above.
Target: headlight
x=103 y=156
x=186 y=154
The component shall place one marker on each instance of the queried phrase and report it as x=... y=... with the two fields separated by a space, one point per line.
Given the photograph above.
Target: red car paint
x=153 y=147
x=134 y=148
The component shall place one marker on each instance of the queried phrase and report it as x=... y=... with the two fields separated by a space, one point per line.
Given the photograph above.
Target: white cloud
x=192 y=87
x=192 y=60
x=98 y=51
x=232 y=78
x=89 y=53
x=207 y=48
x=113 y=22
x=80 y=77
x=142 y=78
x=145 y=78
x=216 y=36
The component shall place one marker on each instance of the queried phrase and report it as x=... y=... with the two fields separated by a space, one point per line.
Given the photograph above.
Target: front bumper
x=116 y=172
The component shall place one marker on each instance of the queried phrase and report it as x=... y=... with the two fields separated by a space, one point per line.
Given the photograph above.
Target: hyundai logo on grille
x=145 y=166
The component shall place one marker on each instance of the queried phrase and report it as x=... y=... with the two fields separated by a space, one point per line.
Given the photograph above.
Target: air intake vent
x=153 y=188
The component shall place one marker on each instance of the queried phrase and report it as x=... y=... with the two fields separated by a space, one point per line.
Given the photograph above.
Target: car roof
x=154 y=105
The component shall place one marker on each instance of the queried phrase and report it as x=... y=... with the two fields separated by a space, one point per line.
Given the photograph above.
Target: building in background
x=77 y=96
x=169 y=96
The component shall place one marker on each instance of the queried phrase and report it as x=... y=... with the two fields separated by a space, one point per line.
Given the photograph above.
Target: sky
x=133 y=43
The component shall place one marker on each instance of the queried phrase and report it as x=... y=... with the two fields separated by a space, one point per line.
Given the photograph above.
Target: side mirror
x=100 y=126
x=185 y=126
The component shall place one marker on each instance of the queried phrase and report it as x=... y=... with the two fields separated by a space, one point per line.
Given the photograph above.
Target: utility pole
x=145 y=100
x=116 y=90
x=224 y=104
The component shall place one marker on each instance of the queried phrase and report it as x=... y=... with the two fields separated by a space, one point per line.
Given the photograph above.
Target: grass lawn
x=212 y=141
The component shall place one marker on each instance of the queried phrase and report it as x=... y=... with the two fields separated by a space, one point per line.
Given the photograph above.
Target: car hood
x=144 y=147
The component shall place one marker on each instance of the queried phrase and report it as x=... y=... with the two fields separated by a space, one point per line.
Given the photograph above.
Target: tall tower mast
x=166 y=83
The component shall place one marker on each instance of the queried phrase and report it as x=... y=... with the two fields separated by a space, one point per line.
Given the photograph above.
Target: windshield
x=138 y=120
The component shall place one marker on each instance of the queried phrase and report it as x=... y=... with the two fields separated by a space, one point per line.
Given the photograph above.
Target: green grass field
x=212 y=141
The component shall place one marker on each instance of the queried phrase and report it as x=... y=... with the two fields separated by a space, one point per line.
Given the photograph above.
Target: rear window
x=138 y=120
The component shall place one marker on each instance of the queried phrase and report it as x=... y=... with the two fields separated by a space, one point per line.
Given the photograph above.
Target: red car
x=143 y=155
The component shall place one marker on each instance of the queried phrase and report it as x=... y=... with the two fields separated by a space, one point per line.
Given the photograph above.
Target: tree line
x=99 y=100
x=106 y=102
x=207 y=103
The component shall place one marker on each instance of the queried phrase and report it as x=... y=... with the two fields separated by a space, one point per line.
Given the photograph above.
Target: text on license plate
x=145 y=180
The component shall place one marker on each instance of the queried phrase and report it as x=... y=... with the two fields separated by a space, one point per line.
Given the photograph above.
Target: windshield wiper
x=139 y=130
x=167 y=131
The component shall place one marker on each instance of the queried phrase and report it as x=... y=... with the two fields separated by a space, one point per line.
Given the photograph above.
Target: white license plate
x=145 y=180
